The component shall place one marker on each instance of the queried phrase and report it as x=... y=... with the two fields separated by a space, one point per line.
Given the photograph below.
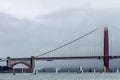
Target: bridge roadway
x=76 y=57
x=63 y=58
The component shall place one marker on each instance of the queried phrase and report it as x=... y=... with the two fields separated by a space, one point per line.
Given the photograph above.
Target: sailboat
x=80 y=69
x=117 y=70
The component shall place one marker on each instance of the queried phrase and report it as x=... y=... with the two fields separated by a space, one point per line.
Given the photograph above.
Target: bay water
x=60 y=76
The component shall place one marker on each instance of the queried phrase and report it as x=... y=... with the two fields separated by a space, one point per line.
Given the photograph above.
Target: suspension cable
x=68 y=42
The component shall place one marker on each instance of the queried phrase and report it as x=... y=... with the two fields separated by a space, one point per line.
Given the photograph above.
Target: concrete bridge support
x=32 y=63
x=8 y=61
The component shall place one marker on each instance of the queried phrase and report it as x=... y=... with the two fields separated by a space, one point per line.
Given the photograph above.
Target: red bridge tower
x=106 y=50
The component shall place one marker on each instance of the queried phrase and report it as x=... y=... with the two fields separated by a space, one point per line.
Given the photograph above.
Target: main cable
x=68 y=42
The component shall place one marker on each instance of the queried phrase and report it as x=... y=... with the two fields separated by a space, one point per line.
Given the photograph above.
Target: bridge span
x=30 y=62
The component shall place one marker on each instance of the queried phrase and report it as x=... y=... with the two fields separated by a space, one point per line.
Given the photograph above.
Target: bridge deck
x=64 y=58
x=76 y=57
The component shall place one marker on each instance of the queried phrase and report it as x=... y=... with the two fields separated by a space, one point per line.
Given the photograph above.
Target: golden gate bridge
x=30 y=62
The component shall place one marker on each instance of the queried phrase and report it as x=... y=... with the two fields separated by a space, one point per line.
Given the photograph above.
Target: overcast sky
x=31 y=27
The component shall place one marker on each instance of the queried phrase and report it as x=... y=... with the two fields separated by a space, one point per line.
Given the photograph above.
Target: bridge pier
x=8 y=61
x=106 y=50
x=32 y=63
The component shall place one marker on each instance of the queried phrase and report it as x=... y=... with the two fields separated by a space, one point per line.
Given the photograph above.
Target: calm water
x=61 y=76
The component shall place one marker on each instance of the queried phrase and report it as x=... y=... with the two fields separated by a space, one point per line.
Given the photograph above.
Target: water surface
x=60 y=76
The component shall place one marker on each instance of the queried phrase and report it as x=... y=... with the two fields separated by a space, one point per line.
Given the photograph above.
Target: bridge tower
x=106 y=50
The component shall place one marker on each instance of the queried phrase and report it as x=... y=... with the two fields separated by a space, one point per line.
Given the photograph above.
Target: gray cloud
x=43 y=32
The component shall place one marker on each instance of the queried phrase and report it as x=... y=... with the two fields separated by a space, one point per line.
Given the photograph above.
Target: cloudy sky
x=32 y=27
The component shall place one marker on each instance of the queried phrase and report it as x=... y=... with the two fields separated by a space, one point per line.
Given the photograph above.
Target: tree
x=5 y=68
x=0 y=68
